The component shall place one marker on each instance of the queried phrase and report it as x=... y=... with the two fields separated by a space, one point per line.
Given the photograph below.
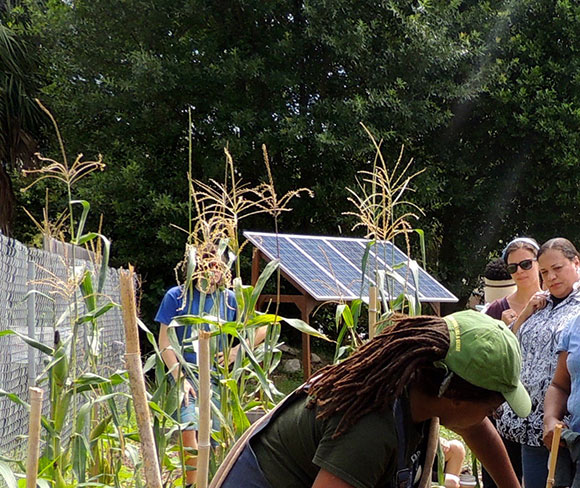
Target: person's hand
x=549 y=425
x=537 y=302
x=508 y=316
x=188 y=390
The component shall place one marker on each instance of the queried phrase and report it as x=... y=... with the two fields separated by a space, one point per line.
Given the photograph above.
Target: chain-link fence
x=38 y=295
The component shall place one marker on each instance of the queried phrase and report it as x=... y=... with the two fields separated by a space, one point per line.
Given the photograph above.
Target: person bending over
x=362 y=423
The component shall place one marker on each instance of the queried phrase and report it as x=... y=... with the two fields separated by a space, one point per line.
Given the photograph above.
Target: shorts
x=189 y=414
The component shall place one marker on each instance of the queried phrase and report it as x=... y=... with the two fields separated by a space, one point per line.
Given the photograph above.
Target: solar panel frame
x=332 y=262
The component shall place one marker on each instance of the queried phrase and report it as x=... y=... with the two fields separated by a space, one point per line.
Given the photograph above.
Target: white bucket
x=495 y=289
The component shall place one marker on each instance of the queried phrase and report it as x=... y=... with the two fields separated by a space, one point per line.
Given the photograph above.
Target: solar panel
x=330 y=268
x=317 y=280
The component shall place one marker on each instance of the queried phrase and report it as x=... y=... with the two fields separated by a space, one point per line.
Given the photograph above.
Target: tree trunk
x=7 y=202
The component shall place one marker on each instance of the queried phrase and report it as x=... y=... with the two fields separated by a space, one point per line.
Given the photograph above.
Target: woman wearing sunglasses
x=520 y=257
x=538 y=328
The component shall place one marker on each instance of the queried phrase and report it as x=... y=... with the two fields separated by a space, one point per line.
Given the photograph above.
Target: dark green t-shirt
x=295 y=445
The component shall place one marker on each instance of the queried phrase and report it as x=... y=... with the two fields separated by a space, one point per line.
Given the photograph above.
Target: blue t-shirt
x=172 y=305
x=570 y=342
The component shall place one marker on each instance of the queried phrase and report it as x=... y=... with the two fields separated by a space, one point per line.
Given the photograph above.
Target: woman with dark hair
x=538 y=328
x=520 y=258
x=362 y=423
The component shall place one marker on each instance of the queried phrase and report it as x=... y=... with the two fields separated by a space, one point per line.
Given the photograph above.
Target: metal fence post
x=31 y=322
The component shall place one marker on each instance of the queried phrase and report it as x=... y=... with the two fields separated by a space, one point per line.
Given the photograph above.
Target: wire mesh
x=39 y=294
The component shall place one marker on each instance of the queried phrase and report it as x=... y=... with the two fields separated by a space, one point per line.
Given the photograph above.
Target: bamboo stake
x=203 y=447
x=554 y=455
x=136 y=380
x=33 y=436
x=372 y=311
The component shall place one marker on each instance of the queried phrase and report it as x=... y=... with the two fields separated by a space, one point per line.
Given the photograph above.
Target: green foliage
x=483 y=94
x=88 y=452
x=20 y=119
x=241 y=386
x=507 y=163
x=298 y=77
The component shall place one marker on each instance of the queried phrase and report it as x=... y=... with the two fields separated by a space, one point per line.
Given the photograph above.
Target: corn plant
x=81 y=400
x=242 y=382
x=385 y=213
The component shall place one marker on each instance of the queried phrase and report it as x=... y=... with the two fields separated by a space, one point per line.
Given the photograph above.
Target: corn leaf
x=414 y=268
x=43 y=483
x=150 y=337
x=88 y=292
x=30 y=341
x=7 y=475
x=104 y=263
x=305 y=328
x=422 y=243
x=365 y=258
x=241 y=421
x=181 y=320
x=86 y=238
x=103 y=309
x=261 y=282
x=257 y=369
x=86 y=207
x=80 y=453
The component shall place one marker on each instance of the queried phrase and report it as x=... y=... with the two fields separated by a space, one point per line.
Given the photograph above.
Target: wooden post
x=33 y=436
x=307 y=370
x=256 y=255
x=554 y=455
x=436 y=308
x=137 y=381
x=203 y=446
x=372 y=311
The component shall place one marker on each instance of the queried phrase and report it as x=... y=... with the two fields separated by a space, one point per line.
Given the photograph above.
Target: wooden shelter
x=323 y=269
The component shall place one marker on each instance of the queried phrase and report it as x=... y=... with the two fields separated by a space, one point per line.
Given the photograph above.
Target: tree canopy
x=484 y=95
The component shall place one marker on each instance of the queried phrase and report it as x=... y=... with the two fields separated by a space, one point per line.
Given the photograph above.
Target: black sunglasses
x=525 y=264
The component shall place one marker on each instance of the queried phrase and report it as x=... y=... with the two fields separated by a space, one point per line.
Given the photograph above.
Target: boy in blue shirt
x=207 y=296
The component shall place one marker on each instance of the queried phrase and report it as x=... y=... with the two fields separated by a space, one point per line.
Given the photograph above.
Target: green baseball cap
x=486 y=353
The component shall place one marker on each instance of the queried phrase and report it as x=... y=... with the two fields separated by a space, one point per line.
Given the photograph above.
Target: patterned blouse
x=539 y=337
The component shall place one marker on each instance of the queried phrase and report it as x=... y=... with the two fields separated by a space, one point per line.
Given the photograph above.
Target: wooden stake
x=554 y=455
x=33 y=436
x=203 y=446
x=137 y=381
x=372 y=311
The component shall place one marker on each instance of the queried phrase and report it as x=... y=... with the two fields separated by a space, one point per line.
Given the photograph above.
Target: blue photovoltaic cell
x=317 y=263
x=429 y=288
x=343 y=271
x=355 y=250
x=298 y=266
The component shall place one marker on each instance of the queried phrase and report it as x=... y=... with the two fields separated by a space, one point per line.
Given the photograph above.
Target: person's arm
x=172 y=363
x=537 y=302
x=556 y=399
x=487 y=446
x=325 y=479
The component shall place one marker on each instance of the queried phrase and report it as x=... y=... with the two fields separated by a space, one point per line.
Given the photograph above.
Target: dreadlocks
x=377 y=373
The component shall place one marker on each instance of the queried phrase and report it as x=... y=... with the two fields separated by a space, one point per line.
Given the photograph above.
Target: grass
x=288 y=382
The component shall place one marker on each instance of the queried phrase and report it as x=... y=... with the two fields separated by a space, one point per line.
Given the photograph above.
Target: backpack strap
x=404 y=476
